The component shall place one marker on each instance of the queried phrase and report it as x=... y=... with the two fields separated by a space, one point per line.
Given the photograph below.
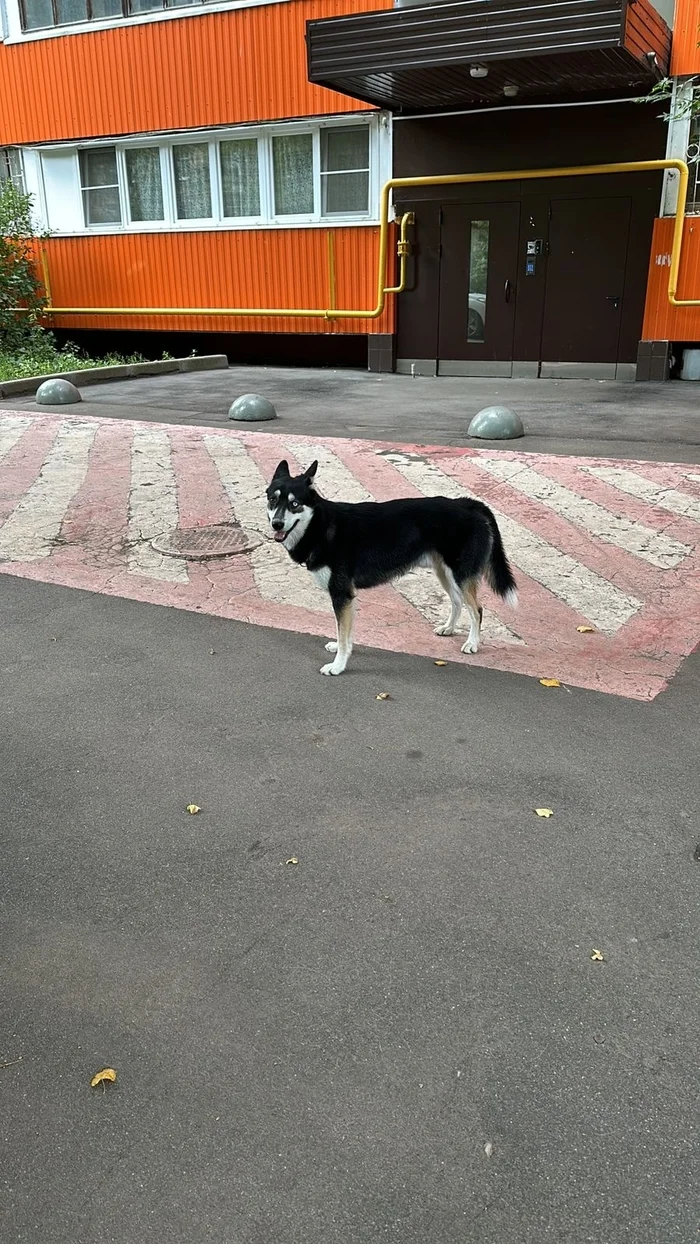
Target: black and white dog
x=348 y=546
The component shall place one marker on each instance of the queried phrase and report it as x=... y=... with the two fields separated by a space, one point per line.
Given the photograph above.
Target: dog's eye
x=294 y=505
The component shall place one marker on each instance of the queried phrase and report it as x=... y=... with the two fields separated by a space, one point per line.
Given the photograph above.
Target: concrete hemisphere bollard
x=496 y=423
x=251 y=408
x=57 y=393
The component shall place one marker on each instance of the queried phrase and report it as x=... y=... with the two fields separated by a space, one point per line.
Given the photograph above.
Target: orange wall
x=662 y=322
x=239 y=268
x=214 y=69
x=685 y=53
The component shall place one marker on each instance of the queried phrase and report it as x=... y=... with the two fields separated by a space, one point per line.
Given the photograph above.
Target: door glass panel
x=478 y=274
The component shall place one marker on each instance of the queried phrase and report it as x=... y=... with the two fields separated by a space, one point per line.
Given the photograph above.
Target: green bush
x=19 y=283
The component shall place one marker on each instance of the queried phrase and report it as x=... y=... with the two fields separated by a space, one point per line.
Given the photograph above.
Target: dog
x=348 y=546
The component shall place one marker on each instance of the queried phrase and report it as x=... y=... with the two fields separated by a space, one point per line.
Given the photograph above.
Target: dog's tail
x=498 y=572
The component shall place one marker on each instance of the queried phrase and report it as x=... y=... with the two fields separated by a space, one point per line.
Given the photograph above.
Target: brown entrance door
x=585 y=280
x=478 y=270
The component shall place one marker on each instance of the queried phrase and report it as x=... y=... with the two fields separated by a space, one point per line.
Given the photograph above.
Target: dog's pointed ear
x=311 y=471
x=282 y=471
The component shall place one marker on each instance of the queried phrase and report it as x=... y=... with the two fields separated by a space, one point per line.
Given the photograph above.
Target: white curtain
x=192 y=181
x=294 y=174
x=145 y=185
x=239 y=177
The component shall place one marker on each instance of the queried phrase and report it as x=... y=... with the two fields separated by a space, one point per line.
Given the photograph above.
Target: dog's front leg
x=344 y=609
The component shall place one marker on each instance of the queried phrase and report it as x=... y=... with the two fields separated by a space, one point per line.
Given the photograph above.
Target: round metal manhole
x=199 y=543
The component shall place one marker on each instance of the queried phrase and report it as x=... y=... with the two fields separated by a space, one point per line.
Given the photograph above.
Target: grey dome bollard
x=57 y=393
x=252 y=408
x=496 y=423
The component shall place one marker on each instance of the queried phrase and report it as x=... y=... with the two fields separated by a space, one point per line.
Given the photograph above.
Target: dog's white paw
x=332 y=645
x=331 y=669
x=445 y=629
x=470 y=647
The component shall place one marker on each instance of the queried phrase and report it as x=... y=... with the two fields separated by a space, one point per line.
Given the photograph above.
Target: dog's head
x=290 y=503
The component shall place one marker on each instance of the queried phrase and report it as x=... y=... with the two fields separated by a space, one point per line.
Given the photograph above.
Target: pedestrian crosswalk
x=599 y=543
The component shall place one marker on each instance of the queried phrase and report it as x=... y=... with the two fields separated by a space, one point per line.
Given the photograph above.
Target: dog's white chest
x=322 y=576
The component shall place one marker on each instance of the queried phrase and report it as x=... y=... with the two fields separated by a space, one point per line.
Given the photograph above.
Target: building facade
x=230 y=155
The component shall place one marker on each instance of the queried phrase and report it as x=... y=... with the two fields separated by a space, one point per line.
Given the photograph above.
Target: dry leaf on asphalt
x=383 y=695
x=439 y=662
x=550 y=682
x=543 y=812
x=292 y=860
x=597 y=956
x=586 y=630
x=192 y=809
x=107 y=1074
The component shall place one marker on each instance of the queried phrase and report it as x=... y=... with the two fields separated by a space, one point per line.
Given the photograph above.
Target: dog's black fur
x=350 y=546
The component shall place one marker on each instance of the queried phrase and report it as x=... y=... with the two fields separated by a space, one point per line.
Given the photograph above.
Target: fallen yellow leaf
x=543 y=812
x=550 y=682
x=192 y=809
x=383 y=695
x=292 y=860
x=597 y=956
x=439 y=662
x=107 y=1074
x=586 y=630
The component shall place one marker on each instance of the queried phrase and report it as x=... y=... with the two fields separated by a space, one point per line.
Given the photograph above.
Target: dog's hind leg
x=344 y=609
x=451 y=586
x=475 y=612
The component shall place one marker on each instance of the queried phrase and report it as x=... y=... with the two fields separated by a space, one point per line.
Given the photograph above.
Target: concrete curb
x=125 y=371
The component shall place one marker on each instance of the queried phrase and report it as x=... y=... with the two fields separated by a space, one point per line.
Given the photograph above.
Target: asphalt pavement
x=355 y=998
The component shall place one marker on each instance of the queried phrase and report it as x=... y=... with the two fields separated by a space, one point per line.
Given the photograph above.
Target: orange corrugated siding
x=213 y=69
x=241 y=268
x=685 y=53
x=662 y=322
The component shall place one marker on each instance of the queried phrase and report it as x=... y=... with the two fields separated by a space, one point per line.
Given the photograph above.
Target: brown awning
x=419 y=58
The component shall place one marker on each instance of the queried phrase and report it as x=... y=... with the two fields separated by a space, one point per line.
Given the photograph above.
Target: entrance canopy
x=475 y=52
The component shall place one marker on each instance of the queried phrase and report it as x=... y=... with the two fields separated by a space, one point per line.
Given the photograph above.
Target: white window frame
x=6 y=153
x=378 y=125
x=15 y=34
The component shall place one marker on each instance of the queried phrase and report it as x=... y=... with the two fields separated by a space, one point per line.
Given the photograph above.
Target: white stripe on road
x=12 y=428
x=277 y=577
x=650 y=545
x=670 y=499
x=31 y=529
x=600 y=602
x=152 y=506
x=420 y=587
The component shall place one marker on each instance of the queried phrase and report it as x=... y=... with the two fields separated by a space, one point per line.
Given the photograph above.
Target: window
x=344 y=170
x=99 y=182
x=296 y=173
x=192 y=181
x=11 y=168
x=240 y=177
x=44 y=14
x=293 y=164
x=144 y=183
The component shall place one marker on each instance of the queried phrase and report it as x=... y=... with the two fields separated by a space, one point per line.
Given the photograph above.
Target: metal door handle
x=506 y=290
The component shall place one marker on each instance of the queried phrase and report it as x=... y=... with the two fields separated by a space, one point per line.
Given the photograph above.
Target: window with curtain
x=240 y=179
x=144 y=183
x=293 y=169
x=192 y=181
x=99 y=181
x=344 y=170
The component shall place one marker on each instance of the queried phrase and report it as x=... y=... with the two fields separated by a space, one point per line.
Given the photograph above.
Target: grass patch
x=45 y=359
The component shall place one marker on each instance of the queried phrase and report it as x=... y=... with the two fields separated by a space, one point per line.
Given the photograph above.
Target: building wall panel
x=685 y=53
x=241 y=268
x=244 y=65
x=662 y=322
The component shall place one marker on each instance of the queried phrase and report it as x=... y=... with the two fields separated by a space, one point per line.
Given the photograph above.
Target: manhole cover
x=198 y=543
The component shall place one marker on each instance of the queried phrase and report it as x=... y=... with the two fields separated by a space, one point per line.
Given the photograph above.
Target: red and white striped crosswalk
x=595 y=542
